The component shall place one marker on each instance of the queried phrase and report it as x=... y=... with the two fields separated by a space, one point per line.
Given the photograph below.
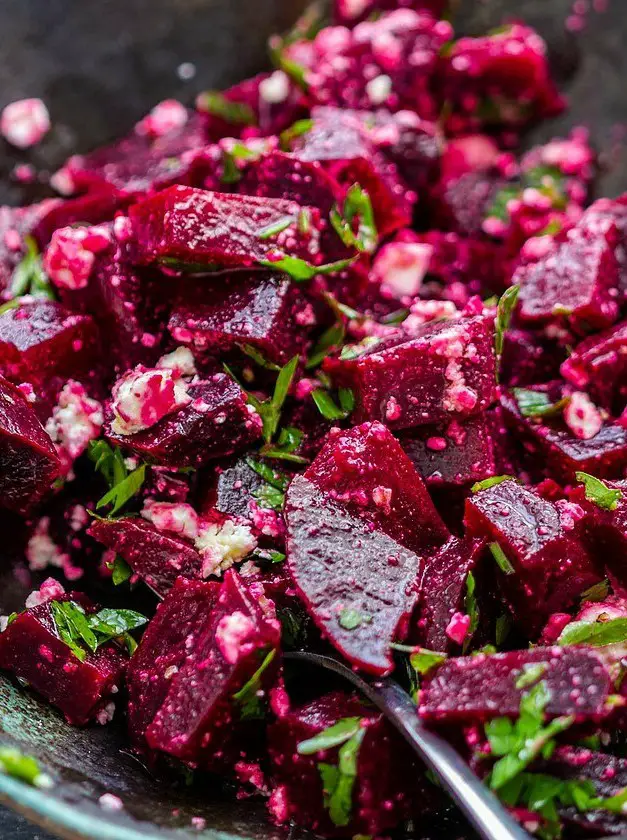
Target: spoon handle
x=479 y=805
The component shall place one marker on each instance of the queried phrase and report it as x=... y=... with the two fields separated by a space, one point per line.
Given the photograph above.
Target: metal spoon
x=482 y=809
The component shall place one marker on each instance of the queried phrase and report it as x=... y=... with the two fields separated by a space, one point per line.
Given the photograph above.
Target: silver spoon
x=480 y=806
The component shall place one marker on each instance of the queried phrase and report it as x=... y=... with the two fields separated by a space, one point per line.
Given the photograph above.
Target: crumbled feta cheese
x=110 y=802
x=180 y=362
x=165 y=117
x=25 y=122
x=582 y=417
x=41 y=550
x=174 y=518
x=70 y=256
x=379 y=88
x=275 y=88
x=231 y=633
x=49 y=590
x=221 y=545
x=105 y=715
x=400 y=268
x=143 y=396
x=76 y=420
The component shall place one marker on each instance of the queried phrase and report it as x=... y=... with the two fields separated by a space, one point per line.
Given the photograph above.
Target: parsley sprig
x=357 y=206
x=28 y=277
x=83 y=632
x=249 y=698
x=537 y=403
x=598 y=492
x=123 y=485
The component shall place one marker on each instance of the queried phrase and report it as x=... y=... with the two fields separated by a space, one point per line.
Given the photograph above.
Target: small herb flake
x=83 y=632
x=490 y=482
x=504 y=311
x=300 y=270
x=351 y=619
x=215 y=103
x=276 y=228
x=531 y=673
x=537 y=403
x=248 y=698
x=15 y=763
x=333 y=736
x=598 y=492
x=595 y=633
x=501 y=559
x=471 y=608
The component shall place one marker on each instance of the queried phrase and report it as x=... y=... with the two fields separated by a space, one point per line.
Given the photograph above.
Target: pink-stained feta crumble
x=400 y=268
x=582 y=417
x=50 y=590
x=70 y=257
x=110 y=802
x=173 y=518
x=41 y=549
x=231 y=634
x=105 y=715
x=180 y=362
x=76 y=420
x=24 y=123
x=457 y=628
x=144 y=396
x=274 y=89
x=278 y=804
x=165 y=117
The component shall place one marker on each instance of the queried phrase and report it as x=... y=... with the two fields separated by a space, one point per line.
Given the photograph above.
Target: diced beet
x=93 y=209
x=577 y=278
x=28 y=460
x=544 y=544
x=230 y=489
x=453 y=455
x=528 y=358
x=477 y=688
x=260 y=309
x=551 y=446
x=349 y=576
x=602 y=215
x=194 y=226
x=215 y=423
x=15 y=224
x=460 y=204
x=41 y=339
x=598 y=365
x=157 y=558
x=31 y=648
x=385 y=772
x=444 y=590
x=349 y=13
x=499 y=79
x=180 y=619
x=366 y=472
x=197 y=718
x=444 y=373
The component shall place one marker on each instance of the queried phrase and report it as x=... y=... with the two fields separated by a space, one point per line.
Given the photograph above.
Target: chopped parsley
x=123 y=486
x=597 y=592
x=290 y=438
x=490 y=482
x=531 y=673
x=120 y=570
x=83 y=632
x=471 y=608
x=297 y=129
x=327 y=406
x=270 y=410
x=300 y=270
x=351 y=619
x=501 y=558
x=357 y=206
x=504 y=311
x=271 y=494
x=249 y=698
x=28 y=277
x=537 y=403
x=598 y=492
x=215 y=103
x=596 y=633
x=15 y=763
x=330 y=340
x=276 y=228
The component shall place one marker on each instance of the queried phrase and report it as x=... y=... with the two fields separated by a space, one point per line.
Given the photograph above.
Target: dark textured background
x=101 y=64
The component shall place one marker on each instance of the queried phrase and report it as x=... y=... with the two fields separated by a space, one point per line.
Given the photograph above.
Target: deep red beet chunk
x=477 y=688
x=184 y=225
x=366 y=472
x=598 y=364
x=263 y=310
x=539 y=546
x=32 y=649
x=386 y=776
x=216 y=422
x=446 y=372
x=358 y=584
x=28 y=460
x=192 y=714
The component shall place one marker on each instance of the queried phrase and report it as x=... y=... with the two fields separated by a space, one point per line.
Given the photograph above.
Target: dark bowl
x=100 y=66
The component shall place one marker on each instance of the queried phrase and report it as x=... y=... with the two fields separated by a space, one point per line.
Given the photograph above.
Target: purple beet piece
x=93 y=209
x=139 y=163
x=602 y=215
x=262 y=309
x=576 y=279
x=446 y=372
x=185 y=225
x=476 y=688
x=444 y=590
x=454 y=455
x=41 y=339
x=231 y=489
x=598 y=365
x=348 y=13
x=199 y=716
x=31 y=648
x=180 y=619
x=552 y=448
x=216 y=423
x=460 y=204
x=358 y=584
x=528 y=358
x=157 y=558
x=28 y=460
x=544 y=545
x=366 y=472
x=386 y=774
x=501 y=79
x=608 y=774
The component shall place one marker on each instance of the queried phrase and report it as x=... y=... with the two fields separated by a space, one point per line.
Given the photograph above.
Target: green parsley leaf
x=531 y=673
x=297 y=129
x=502 y=629
x=120 y=570
x=29 y=277
x=333 y=736
x=270 y=410
x=270 y=476
x=396 y=317
x=329 y=341
x=351 y=619
x=268 y=555
x=215 y=103
x=338 y=787
x=357 y=205
x=80 y=630
x=276 y=228
x=341 y=310
x=24 y=767
x=598 y=492
x=596 y=633
x=328 y=407
x=248 y=699
x=108 y=461
x=257 y=357
x=290 y=438
x=490 y=482
x=471 y=608
x=537 y=403
x=121 y=493
x=354 y=351
x=300 y=270
x=504 y=311
x=501 y=559
x=421 y=659
x=270 y=497
x=597 y=592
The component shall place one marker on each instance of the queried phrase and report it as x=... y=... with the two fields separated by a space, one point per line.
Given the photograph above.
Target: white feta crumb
x=180 y=362
x=25 y=122
x=275 y=88
x=379 y=88
x=110 y=802
x=231 y=633
x=222 y=545
x=144 y=396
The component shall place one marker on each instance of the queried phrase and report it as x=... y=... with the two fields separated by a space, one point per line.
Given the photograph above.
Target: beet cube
x=598 y=365
x=215 y=423
x=358 y=584
x=197 y=226
x=547 y=564
x=551 y=445
x=366 y=472
x=528 y=358
x=476 y=688
x=195 y=716
x=262 y=310
x=385 y=772
x=444 y=590
x=444 y=373
x=230 y=489
x=157 y=558
x=454 y=455
x=41 y=339
x=28 y=460
x=31 y=648
x=578 y=279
